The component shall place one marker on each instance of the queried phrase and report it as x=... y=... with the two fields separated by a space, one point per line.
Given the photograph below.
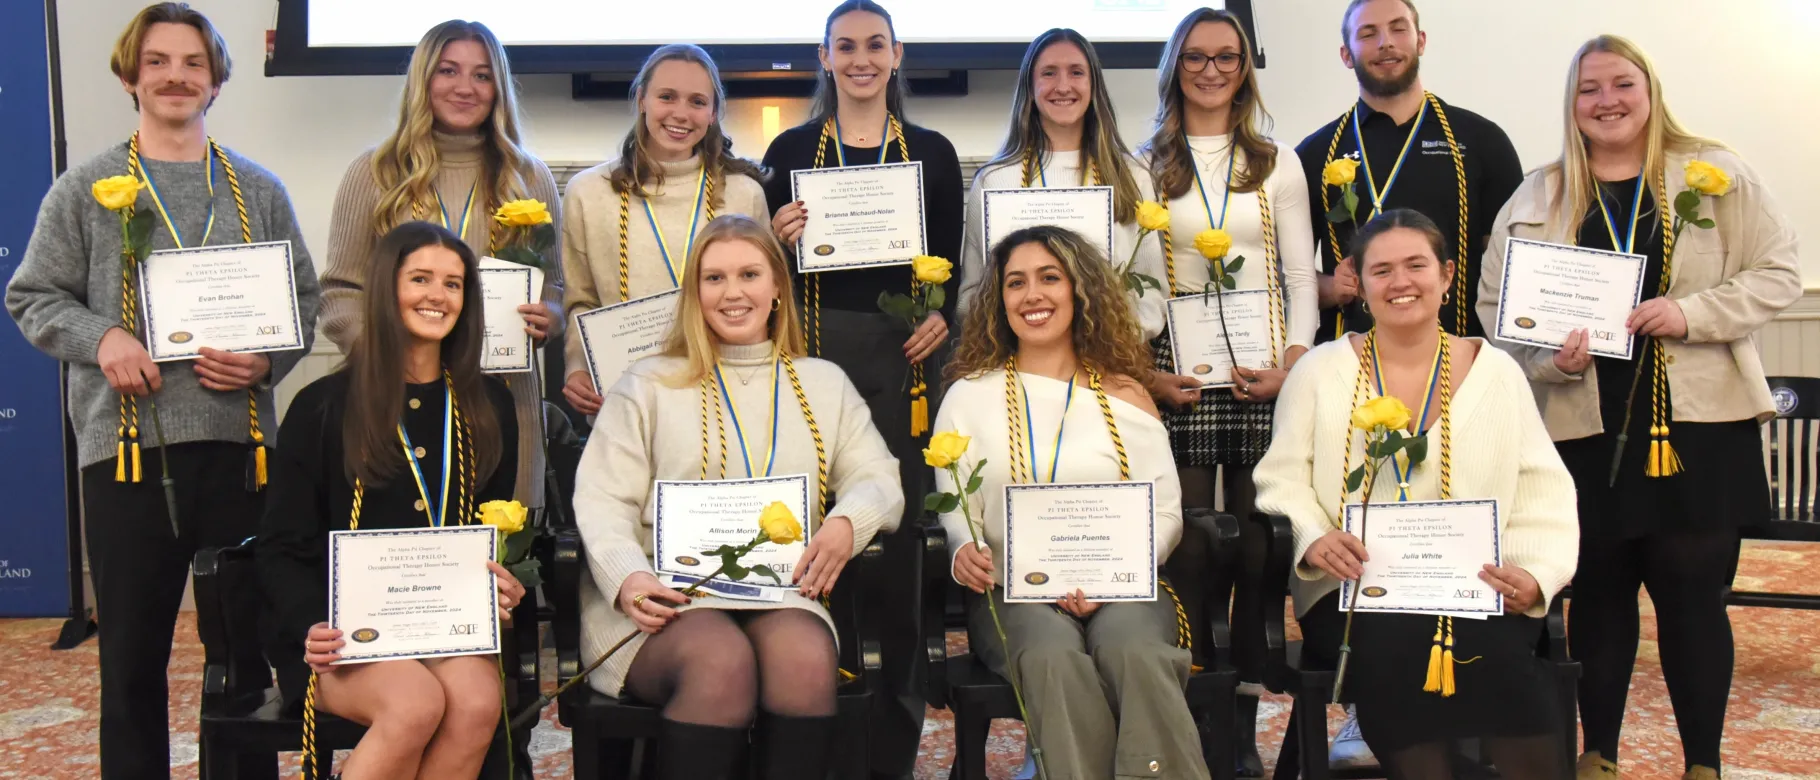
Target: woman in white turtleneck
x=1217 y=170
x=632 y=222
x=455 y=157
x=1064 y=134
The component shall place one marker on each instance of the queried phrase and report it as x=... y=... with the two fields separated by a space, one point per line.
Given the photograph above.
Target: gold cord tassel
x=120 y=455
x=138 y=470
x=1671 y=462
x=259 y=465
x=1447 y=688
x=1435 y=659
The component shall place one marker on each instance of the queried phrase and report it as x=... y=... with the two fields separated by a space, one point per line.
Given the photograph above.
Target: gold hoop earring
x=1446 y=297
x=775 y=304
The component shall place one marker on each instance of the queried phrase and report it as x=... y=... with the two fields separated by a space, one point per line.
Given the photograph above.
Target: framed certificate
x=860 y=216
x=1084 y=210
x=505 y=286
x=414 y=593
x=695 y=517
x=235 y=298
x=1098 y=538
x=1198 y=342
x=1550 y=290
x=1426 y=557
x=614 y=337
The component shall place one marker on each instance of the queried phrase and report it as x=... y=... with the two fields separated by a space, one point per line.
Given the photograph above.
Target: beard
x=1390 y=87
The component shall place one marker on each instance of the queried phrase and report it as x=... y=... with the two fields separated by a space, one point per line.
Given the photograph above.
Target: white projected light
x=633 y=22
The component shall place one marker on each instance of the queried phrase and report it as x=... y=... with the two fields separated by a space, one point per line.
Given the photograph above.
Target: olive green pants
x=1105 y=694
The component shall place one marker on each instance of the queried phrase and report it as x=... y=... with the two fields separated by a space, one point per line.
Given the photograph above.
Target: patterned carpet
x=48 y=702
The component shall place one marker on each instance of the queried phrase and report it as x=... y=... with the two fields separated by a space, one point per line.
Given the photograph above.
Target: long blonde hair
x=1573 y=170
x=1171 y=164
x=637 y=173
x=406 y=163
x=1101 y=146
x=691 y=339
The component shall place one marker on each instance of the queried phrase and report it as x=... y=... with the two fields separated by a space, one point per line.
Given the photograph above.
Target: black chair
x=614 y=737
x=1792 y=457
x=235 y=726
x=1304 y=750
x=976 y=695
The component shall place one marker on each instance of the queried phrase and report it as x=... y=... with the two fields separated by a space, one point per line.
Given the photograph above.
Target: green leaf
x=1339 y=213
x=528 y=572
x=139 y=228
x=1353 y=479
x=519 y=544
x=950 y=502
x=938 y=296
x=896 y=304
x=1228 y=282
x=1142 y=281
x=1351 y=199
x=721 y=551
x=766 y=571
x=1704 y=223
x=1233 y=265
x=973 y=485
x=1686 y=202
x=933 y=502
x=543 y=237
x=737 y=573
x=1416 y=449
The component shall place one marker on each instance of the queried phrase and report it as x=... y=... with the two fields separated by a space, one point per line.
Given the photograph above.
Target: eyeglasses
x=1224 y=62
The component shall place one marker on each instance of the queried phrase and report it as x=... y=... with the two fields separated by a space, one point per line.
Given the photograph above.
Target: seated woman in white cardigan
x=711 y=662
x=1051 y=324
x=1486 y=440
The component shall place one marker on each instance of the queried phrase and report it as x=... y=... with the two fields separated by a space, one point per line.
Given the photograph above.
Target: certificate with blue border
x=860 y=216
x=1199 y=334
x=1550 y=290
x=1095 y=537
x=233 y=297
x=414 y=592
x=1426 y=557
x=505 y=286
x=1084 y=210
x=693 y=517
x=615 y=336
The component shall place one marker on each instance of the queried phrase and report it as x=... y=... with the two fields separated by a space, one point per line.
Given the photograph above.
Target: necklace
x=746 y=378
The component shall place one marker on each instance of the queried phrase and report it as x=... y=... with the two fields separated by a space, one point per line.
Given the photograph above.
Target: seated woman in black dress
x=364 y=447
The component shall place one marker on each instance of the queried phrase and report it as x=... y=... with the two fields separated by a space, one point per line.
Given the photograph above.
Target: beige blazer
x=1729 y=282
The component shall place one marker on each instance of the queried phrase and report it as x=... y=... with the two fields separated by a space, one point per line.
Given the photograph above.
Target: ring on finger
x=638 y=601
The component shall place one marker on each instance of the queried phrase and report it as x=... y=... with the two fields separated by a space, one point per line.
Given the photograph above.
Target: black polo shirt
x=1427 y=184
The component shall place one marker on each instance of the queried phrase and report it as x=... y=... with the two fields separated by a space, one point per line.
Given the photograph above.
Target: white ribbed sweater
x=1500 y=450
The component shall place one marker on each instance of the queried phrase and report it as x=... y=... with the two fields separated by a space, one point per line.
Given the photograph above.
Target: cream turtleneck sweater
x=648 y=430
x=353 y=237
x=590 y=235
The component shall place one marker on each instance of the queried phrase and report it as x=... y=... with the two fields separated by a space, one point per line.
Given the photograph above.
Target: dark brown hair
x=1171 y=164
x=125 y=59
x=827 y=96
x=375 y=364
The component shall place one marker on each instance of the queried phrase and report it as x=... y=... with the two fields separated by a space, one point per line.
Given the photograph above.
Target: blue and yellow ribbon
x=1030 y=430
x=840 y=154
x=461 y=229
x=1636 y=204
x=1379 y=196
x=739 y=428
x=663 y=244
x=1225 y=196
x=157 y=200
x=436 y=511
x=1428 y=398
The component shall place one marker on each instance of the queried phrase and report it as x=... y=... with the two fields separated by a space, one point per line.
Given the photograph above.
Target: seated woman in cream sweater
x=711 y=662
x=1486 y=440
x=1103 y=682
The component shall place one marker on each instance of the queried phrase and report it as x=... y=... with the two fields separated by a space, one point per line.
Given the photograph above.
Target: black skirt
x=1219 y=430
x=1507 y=692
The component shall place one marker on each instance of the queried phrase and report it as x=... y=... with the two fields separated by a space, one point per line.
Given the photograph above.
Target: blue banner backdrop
x=34 y=537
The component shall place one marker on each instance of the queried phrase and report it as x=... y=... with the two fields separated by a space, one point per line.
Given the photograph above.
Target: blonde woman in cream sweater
x=1486 y=437
x=712 y=664
x=632 y=221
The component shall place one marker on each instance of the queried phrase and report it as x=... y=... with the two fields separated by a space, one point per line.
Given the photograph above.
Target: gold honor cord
x=1033 y=173
x=1279 y=329
x=1459 y=172
x=704 y=203
x=466 y=475
x=1663 y=461
x=1441 y=653
x=127 y=435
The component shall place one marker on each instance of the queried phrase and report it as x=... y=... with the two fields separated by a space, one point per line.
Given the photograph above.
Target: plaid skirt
x=1219 y=430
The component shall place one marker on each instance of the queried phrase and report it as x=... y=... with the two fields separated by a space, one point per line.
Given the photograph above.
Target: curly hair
x=1105 y=328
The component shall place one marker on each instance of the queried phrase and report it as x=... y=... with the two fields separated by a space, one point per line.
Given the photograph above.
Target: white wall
x=1744 y=71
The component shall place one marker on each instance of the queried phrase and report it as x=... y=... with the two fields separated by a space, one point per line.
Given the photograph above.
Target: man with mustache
x=214 y=412
x=1413 y=151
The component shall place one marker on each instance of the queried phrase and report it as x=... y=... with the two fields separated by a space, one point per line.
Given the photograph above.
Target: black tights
x=712 y=668
x=1687 y=575
x=1517 y=758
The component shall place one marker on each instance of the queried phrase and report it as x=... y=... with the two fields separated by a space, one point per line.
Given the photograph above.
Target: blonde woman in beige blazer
x=1660 y=506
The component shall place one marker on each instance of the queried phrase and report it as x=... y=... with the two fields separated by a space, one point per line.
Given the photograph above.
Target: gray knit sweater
x=66 y=294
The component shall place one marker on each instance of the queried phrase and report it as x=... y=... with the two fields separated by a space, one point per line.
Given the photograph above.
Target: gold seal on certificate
x=1198 y=341
x=1084 y=210
x=1551 y=290
x=614 y=337
x=505 y=286
x=860 y=216
x=1426 y=557
x=1098 y=538
x=694 y=517
x=235 y=298
x=414 y=592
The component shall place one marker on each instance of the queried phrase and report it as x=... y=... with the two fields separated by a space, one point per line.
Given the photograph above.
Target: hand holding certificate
x=864 y=215
x=236 y=298
x=1099 y=539
x=1199 y=343
x=1552 y=290
x=414 y=593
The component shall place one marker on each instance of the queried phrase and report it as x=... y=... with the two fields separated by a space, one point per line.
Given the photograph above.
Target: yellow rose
x=930 y=269
x=1383 y=410
x=508 y=517
x=116 y=192
x=1340 y=173
x=1213 y=244
x=945 y=448
x=1707 y=179
x=777 y=523
x=1152 y=216
x=523 y=213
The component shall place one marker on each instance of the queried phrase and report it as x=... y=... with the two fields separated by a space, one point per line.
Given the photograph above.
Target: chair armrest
x=937 y=578
x=220 y=574
x=564 y=589
x=1554 y=636
x=865 y=598
x=1273 y=588
x=1221 y=532
x=519 y=651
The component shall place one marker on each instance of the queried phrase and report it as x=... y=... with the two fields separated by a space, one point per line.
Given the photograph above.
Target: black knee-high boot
x=793 y=748
x=691 y=751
